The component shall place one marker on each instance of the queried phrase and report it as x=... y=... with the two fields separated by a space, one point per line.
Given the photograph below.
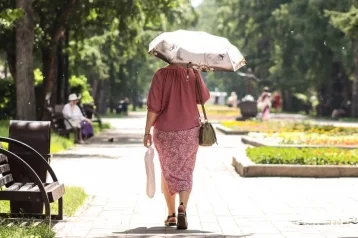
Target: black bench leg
x=60 y=208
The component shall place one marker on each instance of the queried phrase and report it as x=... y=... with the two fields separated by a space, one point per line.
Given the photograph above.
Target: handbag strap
x=198 y=88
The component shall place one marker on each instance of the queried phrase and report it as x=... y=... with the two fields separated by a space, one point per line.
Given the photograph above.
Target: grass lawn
x=73 y=199
x=304 y=156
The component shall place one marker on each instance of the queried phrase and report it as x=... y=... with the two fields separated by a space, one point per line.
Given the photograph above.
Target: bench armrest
x=37 y=155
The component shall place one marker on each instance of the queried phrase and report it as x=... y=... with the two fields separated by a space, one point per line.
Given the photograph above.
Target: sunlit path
x=223 y=204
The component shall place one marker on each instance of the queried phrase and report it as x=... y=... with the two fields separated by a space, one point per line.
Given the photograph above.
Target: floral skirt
x=177 y=155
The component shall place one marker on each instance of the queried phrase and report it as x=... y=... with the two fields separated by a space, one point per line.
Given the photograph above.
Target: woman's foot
x=182 y=223
x=171 y=220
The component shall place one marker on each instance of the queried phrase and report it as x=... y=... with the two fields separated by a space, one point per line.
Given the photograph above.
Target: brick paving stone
x=222 y=203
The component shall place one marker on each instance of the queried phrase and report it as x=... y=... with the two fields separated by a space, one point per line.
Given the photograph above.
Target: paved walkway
x=222 y=204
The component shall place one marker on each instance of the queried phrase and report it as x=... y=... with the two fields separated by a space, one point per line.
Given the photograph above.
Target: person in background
x=264 y=103
x=173 y=111
x=74 y=115
x=232 y=100
x=125 y=106
x=276 y=101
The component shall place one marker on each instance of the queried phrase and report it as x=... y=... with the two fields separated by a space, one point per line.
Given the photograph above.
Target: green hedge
x=304 y=156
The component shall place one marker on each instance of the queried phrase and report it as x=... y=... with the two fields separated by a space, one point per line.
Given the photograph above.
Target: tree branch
x=61 y=20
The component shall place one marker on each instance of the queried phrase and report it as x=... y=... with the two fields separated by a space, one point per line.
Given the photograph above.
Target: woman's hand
x=147 y=141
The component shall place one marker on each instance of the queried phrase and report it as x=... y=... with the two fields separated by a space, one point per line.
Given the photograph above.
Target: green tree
x=348 y=23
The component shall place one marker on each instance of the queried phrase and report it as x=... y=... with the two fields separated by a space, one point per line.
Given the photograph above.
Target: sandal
x=182 y=222
x=171 y=220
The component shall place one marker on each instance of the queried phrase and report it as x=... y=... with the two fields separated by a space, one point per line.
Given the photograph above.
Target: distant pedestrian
x=276 y=101
x=264 y=103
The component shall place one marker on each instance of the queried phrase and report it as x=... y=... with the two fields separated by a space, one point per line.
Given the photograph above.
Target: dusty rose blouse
x=174 y=99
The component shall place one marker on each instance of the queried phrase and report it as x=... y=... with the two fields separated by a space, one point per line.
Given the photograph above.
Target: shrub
x=7 y=99
x=304 y=156
x=79 y=85
x=276 y=126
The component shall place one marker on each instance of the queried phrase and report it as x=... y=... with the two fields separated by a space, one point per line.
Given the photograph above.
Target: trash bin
x=36 y=134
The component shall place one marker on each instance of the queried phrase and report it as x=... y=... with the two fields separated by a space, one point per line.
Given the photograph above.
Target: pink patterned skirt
x=177 y=155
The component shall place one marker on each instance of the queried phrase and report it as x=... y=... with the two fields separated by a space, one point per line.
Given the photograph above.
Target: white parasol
x=197 y=49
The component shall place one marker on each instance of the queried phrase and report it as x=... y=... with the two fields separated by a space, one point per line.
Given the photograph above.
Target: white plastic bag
x=149 y=168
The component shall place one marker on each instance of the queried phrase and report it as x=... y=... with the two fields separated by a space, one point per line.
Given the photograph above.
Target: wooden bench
x=29 y=188
x=89 y=112
x=58 y=121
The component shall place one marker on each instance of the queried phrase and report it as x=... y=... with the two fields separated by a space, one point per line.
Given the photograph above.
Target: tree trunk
x=60 y=74
x=66 y=74
x=94 y=87
x=354 y=109
x=112 y=88
x=49 y=51
x=287 y=100
x=25 y=89
x=11 y=57
x=101 y=97
x=49 y=72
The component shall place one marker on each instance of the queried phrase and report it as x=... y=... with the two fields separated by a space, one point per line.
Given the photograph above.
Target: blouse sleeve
x=154 y=100
x=204 y=91
x=66 y=111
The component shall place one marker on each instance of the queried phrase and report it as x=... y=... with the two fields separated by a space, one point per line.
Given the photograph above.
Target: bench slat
x=34 y=189
x=26 y=186
x=2 y=157
x=55 y=192
x=4 y=168
x=49 y=186
x=5 y=180
x=14 y=187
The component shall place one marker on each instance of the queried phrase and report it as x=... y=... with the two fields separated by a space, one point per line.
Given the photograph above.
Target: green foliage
x=304 y=156
x=97 y=129
x=59 y=143
x=289 y=45
x=9 y=16
x=79 y=85
x=73 y=199
x=18 y=231
x=345 y=21
x=7 y=99
x=38 y=77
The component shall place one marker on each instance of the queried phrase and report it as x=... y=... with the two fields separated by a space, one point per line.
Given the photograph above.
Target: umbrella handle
x=200 y=95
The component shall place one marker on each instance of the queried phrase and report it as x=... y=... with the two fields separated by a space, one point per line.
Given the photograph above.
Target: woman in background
x=74 y=115
x=264 y=102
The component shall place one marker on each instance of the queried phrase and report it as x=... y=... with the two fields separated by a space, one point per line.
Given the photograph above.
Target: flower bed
x=288 y=126
x=306 y=138
x=304 y=156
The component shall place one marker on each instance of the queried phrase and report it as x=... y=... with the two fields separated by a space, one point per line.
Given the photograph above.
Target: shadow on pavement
x=171 y=231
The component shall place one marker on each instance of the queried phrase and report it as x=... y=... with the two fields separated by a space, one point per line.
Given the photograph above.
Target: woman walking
x=172 y=110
